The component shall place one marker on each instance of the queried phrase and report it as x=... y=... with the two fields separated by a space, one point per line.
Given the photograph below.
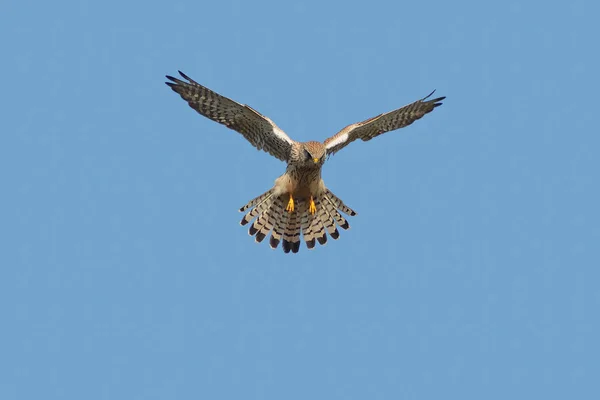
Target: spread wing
x=258 y=129
x=382 y=123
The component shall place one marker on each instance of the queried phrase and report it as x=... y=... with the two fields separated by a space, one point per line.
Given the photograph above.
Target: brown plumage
x=299 y=204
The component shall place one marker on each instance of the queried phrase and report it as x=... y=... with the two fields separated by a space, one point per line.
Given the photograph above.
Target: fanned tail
x=269 y=215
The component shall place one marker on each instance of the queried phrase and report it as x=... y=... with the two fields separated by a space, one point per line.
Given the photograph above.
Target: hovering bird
x=299 y=202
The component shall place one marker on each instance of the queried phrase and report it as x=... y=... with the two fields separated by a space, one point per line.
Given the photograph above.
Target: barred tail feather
x=291 y=233
x=318 y=228
x=256 y=200
x=339 y=204
x=261 y=203
x=307 y=225
x=328 y=223
x=280 y=220
x=264 y=223
x=333 y=212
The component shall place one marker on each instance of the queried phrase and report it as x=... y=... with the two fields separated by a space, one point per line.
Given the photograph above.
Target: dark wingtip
x=243 y=221
x=322 y=240
x=345 y=225
x=184 y=75
x=310 y=244
x=175 y=82
x=428 y=96
x=436 y=102
x=286 y=246
x=335 y=234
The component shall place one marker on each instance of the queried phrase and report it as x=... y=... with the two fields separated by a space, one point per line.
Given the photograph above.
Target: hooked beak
x=316 y=160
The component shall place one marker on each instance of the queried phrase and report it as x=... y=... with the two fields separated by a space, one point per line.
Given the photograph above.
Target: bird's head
x=313 y=153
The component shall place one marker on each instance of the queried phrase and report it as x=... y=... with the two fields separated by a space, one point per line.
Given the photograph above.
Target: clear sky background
x=471 y=270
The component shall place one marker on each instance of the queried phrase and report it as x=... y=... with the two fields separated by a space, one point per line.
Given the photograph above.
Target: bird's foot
x=290 y=205
x=312 y=208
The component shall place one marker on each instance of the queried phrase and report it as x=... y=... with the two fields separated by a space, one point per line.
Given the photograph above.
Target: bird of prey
x=299 y=202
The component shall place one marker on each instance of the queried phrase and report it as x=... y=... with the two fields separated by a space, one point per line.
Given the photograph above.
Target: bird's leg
x=312 y=208
x=290 y=205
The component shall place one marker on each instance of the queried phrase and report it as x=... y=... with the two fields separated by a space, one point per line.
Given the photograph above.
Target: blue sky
x=470 y=271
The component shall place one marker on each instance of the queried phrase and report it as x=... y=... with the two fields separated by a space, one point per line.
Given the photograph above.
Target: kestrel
x=299 y=201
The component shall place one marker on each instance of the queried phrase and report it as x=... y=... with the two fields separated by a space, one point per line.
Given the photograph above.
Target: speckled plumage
x=301 y=187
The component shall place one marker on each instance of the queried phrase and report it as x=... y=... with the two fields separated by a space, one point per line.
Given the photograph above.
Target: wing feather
x=259 y=130
x=367 y=130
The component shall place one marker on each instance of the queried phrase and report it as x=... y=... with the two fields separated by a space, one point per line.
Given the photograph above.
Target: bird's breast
x=302 y=182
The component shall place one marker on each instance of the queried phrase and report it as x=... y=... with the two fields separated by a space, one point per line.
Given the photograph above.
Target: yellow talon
x=312 y=208
x=290 y=205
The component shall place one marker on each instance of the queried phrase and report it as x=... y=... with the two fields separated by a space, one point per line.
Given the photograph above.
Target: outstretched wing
x=382 y=123
x=258 y=129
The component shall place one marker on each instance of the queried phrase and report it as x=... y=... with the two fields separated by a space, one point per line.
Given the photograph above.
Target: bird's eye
x=307 y=155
